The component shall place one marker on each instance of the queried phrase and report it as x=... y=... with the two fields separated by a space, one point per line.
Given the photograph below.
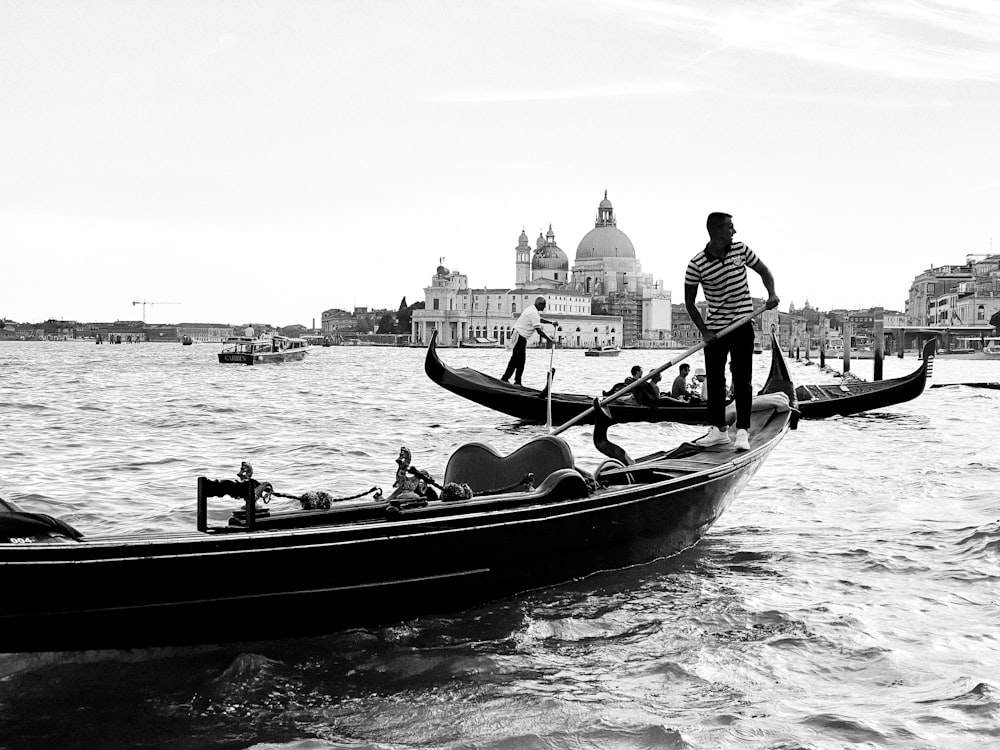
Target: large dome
x=605 y=242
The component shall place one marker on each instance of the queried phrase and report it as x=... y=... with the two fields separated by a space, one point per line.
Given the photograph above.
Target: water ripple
x=847 y=599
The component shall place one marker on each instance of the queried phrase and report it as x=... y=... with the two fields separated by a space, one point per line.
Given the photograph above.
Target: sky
x=265 y=161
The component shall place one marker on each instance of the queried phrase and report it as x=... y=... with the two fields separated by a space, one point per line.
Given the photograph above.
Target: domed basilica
x=604 y=299
x=605 y=262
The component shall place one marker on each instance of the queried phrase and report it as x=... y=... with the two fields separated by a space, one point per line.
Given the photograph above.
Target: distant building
x=335 y=321
x=206 y=333
x=954 y=302
x=458 y=312
x=603 y=299
x=606 y=267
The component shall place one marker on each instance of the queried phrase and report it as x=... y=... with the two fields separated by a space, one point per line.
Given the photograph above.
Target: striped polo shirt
x=725 y=283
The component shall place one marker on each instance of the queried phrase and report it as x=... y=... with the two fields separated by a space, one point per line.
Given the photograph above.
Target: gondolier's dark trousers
x=517 y=358
x=738 y=347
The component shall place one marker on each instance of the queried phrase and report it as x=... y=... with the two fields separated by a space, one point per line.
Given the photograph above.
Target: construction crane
x=144 y=303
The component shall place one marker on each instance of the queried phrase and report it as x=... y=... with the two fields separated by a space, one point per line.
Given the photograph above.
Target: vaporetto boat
x=246 y=350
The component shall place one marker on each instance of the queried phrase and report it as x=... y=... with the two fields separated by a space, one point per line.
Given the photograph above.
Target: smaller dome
x=550 y=257
x=442 y=271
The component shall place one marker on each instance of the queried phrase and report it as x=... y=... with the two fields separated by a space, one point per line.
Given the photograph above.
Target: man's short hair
x=539 y=301
x=684 y=367
x=716 y=220
x=636 y=369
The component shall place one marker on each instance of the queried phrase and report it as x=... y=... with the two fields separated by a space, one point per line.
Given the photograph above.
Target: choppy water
x=849 y=598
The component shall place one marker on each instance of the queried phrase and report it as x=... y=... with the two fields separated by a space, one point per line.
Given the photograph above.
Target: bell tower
x=522 y=264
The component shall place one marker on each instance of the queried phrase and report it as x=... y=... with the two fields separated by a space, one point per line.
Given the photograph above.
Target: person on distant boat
x=636 y=374
x=528 y=324
x=698 y=387
x=679 y=389
x=721 y=270
x=648 y=393
x=249 y=332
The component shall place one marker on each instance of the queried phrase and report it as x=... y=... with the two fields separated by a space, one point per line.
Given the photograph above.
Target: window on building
x=437 y=304
x=981 y=313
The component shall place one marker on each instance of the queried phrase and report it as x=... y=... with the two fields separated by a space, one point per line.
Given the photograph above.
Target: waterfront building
x=335 y=321
x=458 y=312
x=936 y=293
x=954 y=302
x=606 y=266
x=207 y=333
x=604 y=299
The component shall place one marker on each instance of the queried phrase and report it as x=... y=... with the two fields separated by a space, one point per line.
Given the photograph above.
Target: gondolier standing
x=528 y=324
x=721 y=269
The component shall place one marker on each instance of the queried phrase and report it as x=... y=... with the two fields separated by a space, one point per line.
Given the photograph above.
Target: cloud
x=609 y=90
x=931 y=41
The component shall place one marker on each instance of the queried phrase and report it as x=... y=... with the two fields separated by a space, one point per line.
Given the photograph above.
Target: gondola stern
x=779 y=380
x=433 y=365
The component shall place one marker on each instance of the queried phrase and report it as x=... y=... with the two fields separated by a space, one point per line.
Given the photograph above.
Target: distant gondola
x=528 y=404
x=843 y=399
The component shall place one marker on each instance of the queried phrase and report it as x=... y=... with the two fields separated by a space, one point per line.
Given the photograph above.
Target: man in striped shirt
x=721 y=270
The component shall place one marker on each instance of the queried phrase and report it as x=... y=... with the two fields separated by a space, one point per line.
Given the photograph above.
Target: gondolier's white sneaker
x=742 y=440
x=714 y=436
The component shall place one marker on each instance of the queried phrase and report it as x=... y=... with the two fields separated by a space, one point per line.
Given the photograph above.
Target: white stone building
x=606 y=278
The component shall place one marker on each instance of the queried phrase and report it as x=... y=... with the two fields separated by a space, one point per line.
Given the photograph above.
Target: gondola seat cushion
x=484 y=469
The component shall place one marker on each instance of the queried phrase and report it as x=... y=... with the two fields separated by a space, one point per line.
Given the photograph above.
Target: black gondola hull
x=530 y=405
x=239 y=585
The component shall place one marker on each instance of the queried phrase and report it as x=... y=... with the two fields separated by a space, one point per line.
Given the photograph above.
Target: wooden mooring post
x=848 y=334
x=879 y=345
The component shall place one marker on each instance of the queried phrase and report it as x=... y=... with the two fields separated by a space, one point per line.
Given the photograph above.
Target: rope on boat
x=408 y=492
x=320 y=500
x=462 y=491
x=312 y=500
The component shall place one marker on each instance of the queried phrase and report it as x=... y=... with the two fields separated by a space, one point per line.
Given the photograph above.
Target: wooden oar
x=636 y=383
x=548 y=405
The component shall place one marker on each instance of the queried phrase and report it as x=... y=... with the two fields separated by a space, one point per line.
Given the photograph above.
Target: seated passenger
x=699 y=386
x=679 y=389
x=636 y=374
x=648 y=394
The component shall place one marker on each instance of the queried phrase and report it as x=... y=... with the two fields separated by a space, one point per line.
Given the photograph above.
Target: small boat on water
x=186 y=340
x=492 y=526
x=246 y=350
x=530 y=405
x=479 y=342
x=602 y=351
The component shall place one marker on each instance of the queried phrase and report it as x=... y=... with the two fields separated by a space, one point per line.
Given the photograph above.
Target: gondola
x=856 y=396
x=491 y=527
x=529 y=404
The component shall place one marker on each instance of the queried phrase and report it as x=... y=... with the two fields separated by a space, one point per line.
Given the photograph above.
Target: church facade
x=605 y=299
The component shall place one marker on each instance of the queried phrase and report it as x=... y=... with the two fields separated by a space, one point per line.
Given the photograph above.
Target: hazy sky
x=266 y=161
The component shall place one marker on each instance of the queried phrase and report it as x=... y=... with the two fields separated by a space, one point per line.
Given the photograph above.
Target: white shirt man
x=529 y=322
